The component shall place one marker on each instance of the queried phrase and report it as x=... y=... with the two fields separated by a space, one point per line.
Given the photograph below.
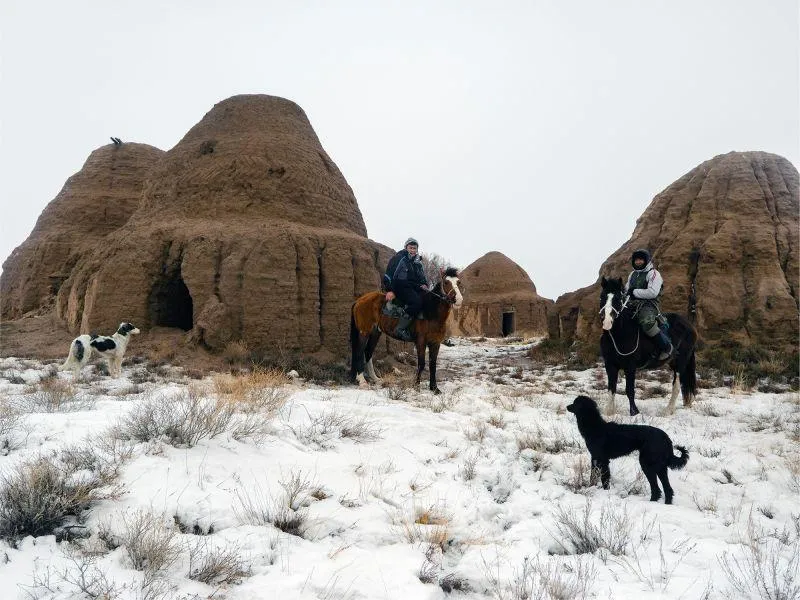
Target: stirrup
x=665 y=354
x=404 y=335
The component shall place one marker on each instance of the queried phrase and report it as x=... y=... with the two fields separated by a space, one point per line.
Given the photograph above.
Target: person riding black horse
x=644 y=287
x=405 y=279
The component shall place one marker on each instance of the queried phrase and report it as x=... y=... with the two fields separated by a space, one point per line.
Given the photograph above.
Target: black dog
x=612 y=440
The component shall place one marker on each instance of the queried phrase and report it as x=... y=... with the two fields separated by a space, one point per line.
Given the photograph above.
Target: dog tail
x=75 y=355
x=678 y=462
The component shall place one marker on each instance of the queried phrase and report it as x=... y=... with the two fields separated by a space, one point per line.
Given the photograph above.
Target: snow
x=442 y=476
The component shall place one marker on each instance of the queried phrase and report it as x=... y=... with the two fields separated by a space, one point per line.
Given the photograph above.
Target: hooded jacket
x=645 y=283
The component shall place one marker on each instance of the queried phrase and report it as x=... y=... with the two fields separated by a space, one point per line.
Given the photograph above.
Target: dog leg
x=605 y=475
x=663 y=475
x=650 y=474
x=594 y=472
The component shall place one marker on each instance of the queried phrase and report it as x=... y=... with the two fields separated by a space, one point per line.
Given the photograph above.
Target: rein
x=445 y=298
x=613 y=341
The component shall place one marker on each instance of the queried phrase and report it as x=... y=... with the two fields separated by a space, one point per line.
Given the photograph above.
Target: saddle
x=393 y=310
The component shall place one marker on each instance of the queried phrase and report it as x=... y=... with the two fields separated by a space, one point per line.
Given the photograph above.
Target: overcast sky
x=539 y=129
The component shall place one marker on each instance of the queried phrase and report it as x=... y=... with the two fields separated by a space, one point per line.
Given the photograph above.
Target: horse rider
x=405 y=279
x=644 y=286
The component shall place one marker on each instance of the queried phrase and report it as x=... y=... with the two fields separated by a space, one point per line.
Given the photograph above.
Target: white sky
x=539 y=129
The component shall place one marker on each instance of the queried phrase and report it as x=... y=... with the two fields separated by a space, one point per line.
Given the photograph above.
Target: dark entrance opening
x=170 y=303
x=508 y=323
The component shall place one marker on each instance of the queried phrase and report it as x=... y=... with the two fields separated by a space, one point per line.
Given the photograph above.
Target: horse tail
x=357 y=357
x=678 y=462
x=688 y=378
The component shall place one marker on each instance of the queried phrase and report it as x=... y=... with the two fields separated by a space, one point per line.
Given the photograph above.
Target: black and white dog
x=112 y=348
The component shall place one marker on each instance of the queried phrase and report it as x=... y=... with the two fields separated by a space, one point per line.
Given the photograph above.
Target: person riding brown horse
x=368 y=320
x=405 y=280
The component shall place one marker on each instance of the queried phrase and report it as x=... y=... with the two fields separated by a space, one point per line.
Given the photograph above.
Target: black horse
x=626 y=347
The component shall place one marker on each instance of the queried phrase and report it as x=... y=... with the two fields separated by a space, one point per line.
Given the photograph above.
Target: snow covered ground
x=326 y=492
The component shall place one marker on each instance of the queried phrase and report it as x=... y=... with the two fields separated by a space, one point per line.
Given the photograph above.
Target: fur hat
x=640 y=253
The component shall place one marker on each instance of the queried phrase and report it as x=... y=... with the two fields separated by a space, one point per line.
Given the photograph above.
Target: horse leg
x=630 y=389
x=612 y=373
x=688 y=377
x=675 y=389
x=369 y=368
x=420 y=358
x=433 y=353
x=358 y=365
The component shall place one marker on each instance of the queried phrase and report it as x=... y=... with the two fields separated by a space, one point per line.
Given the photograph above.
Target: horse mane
x=451 y=272
x=430 y=303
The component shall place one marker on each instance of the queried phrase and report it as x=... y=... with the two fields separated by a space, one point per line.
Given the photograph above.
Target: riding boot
x=664 y=344
x=401 y=331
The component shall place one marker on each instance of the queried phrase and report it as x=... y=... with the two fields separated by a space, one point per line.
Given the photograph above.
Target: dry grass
x=764 y=566
x=149 y=541
x=180 y=421
x=426 y=526
x=477 y=430
x=542 y=579
x=236 y=352
x=552 y=440
x=579 y=477
x=36 y=497
x=216 y=565
x=287 y=512
x=241 y=384
x=192 y=415
x=162 y=354
x=584 y=533
x=10 y=421
x=497 y=420
x=56 y=395
x=332 y=424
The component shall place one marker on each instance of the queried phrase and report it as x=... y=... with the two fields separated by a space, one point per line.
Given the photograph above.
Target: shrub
x=57 y=395
x=287 y=512
x=333 y=424
x=149 y=542
x=764 y=568
x=236 y=352
x=583 y=533
x=216 y=565
x=181 y=421
x=36 y=497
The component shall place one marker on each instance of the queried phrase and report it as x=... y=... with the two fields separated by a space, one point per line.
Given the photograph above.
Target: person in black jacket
x=407 y=282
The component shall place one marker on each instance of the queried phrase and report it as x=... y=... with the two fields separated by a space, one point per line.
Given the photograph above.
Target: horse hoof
x=436 y=391
x=634 y=412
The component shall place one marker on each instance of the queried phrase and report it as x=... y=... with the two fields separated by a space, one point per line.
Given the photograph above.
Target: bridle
x=608 y=331
x=450 y=298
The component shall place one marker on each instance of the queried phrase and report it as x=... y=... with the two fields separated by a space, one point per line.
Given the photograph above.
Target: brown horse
x=367 y=322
